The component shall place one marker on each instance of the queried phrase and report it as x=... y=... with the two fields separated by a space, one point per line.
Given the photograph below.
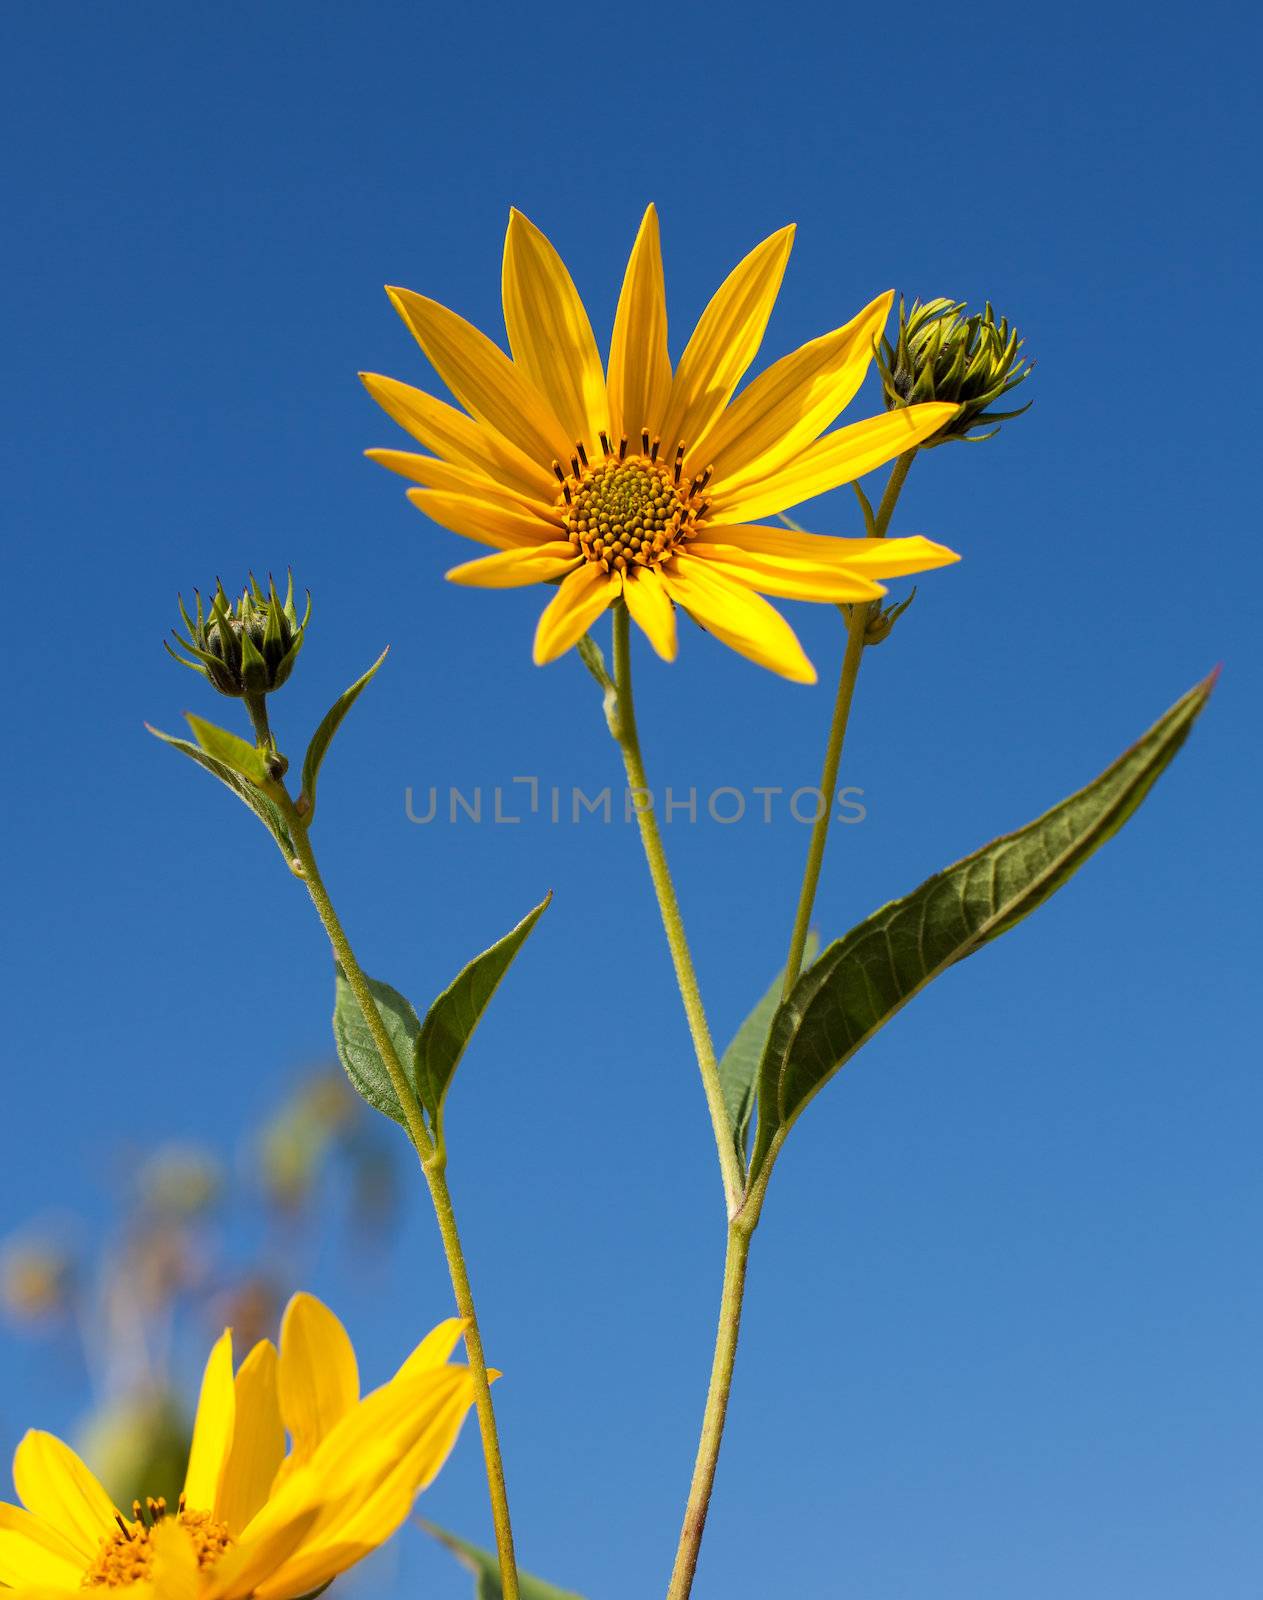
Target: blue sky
x=1004 y=1320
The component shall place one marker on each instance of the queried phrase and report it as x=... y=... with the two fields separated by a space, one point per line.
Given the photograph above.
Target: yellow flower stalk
x=254 y=1519
x=638 y=482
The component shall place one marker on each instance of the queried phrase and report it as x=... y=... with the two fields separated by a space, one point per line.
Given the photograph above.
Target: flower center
x=126 y=1556
x=629 y=511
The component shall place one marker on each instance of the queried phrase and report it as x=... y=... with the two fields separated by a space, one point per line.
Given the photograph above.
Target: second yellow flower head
x=255 y=1520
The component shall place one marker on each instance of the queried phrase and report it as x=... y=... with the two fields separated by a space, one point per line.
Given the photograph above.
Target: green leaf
x=862 y=980
x=231 y=750
x=429 y=1052
x=357 y=1051
x=739 y=1066
x=485 y=1566
x=451 y=1020
x=323 y=737
x=265 y=809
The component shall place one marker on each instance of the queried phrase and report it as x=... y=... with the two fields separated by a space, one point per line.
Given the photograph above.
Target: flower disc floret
x=627 y=512
x=126 y=1555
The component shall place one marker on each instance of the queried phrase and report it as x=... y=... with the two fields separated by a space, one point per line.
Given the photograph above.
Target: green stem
x=857 y=624
x=744 y=1219
x=433 y=1164
x=623 y=727
x=436 y=1177
x=716 y=1412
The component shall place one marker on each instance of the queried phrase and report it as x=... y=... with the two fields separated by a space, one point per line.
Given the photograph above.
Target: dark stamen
x=583 y=454
x=679 y=461
x=561 y=476
x=653 y=454
x=622 y=448
x=605 y=443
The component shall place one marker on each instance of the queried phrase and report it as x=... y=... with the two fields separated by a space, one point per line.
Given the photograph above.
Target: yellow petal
x=640 y=367
x=788 y=577
x=485 y=521
x=48 y=1591
x=782 y=410
x=258 y=1555
x=894 y=558
x=737 y=617
x=456 y=437
x=573 y=609
x=318 y=1378
x=54 y=1485
x=349 y=1466
x=514 y=569
x=212 y=1427
x=342 y=1541
x=483 y=379
x=549 y=333
x=35 y=1553
x=874 y=558
x=651 y=609
x=258 y=1439
x=725 y=342
x=435 y=473
x=175 y=1574
x=838 y=458
x=436 y=1348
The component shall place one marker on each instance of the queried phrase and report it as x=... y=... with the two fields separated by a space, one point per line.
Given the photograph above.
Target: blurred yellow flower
x=253 y=1520
x=642 y=483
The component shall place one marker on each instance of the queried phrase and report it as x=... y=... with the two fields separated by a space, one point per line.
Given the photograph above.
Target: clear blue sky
x=1004 y=1314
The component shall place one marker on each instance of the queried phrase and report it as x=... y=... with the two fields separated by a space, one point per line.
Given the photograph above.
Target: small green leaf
x=450 y=1022
x=359 y=1054
x=323 y=737
x=231 y=750
x=267 y=811
x=485 y=1566
x=739 y=1065
x=862 y=980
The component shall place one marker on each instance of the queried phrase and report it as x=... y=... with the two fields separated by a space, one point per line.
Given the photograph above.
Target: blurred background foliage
x=190 y=1239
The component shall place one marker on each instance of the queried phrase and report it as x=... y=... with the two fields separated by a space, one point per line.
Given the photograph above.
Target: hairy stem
x=433 y=1164
x=857 y=623
x=623 y=727
x=715 y=1414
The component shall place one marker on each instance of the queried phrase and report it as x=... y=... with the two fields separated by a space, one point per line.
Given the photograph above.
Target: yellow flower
x=642 y=483
x=253 y=1520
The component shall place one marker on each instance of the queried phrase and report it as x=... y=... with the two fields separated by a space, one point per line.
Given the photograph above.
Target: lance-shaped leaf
x=323 y=737
x=450 y=1022
x=429 y=1052
x=264 y=808
x=231 y=750
x=739 y=1065
x=862 y=980
x=358 y=1051
x=485 y=1566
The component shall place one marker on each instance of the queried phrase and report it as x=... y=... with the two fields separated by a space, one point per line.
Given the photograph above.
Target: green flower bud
x=881 y=619
x=943 y=355
x=246 y=650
